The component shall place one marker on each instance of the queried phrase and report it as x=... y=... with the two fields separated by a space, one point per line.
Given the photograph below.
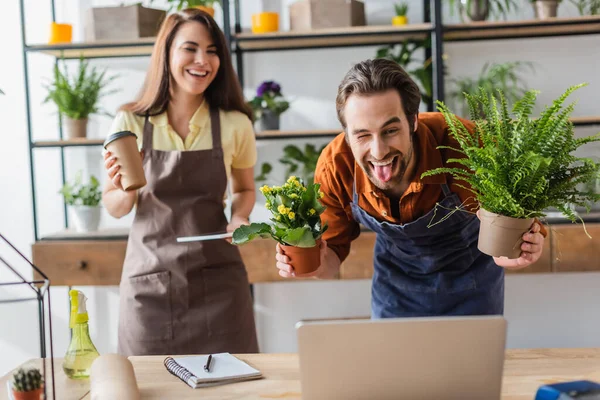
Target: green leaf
x=300 y=237
x=246 y=233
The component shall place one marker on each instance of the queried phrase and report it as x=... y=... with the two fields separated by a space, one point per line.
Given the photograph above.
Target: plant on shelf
x=204 y=5
x=401 y=11
x=84 y=200
x=297 y=161
x=77 y=96
x=545 y=9
x=517 y=166
x=27 y=384
x=268 y=104
x=479 y=10
x=587 y=7
x=296 y=223
x=404 y=55
x=505 y=76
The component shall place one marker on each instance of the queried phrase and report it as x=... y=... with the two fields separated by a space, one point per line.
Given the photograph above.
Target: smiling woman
x=195 y=134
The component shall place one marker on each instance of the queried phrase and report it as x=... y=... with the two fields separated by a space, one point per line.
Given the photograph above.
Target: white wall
x=543 y=310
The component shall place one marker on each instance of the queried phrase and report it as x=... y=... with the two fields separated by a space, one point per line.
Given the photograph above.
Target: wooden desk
x=524 y=372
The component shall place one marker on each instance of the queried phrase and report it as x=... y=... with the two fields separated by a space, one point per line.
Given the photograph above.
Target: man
x=426 y=260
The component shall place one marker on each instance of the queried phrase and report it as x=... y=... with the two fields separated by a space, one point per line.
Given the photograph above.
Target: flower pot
x=501 y=236
x=269 y=121
x=31 y=395
x=60 y=33
x=209 y=10
x=474 y=10
x=75 y=128
x=544 y=9
x=304 y=259
x=265 y=22
x=86 y=218
x=400 y=20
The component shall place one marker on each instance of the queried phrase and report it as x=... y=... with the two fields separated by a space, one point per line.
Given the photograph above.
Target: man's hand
x=533 y=243
x=330 y=264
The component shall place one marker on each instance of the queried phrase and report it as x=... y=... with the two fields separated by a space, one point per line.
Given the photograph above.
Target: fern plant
x=519 y=166
x=77 y=96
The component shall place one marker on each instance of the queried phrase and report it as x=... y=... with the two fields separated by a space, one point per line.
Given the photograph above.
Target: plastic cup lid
x=118 y=135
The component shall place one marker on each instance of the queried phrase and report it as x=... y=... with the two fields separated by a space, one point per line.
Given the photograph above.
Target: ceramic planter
x=75 y=128
x=501 y=236
x=400 y=20
x=269 y=121
x=265 y=22
x=544 y=9
x=86 y=218
x=304 y=259
x=31 y=395
x=474 y=10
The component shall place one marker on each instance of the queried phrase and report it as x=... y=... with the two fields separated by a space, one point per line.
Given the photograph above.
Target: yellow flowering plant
x=296 y=215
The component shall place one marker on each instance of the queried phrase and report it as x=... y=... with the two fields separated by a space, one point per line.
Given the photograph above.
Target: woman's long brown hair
x=224 y=92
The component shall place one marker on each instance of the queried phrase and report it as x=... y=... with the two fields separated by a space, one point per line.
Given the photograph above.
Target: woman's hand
x=112 y=168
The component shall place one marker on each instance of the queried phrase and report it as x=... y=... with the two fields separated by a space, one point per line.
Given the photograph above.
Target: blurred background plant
x=297 y=162
x=493 y=76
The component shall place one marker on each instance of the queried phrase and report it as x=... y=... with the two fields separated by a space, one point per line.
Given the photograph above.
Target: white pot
x=86 y=218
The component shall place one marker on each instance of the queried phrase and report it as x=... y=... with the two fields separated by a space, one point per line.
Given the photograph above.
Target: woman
x=195 y=132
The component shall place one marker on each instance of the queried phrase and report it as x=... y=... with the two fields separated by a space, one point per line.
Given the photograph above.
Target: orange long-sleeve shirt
x=336 y=171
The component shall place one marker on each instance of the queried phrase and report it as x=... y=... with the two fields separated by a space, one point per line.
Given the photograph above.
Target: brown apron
x=183 y=298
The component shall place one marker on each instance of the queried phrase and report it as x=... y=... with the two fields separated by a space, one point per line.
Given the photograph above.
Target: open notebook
x=224 y=368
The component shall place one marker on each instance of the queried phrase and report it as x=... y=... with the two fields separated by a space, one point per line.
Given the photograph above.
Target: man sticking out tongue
x=370 y=175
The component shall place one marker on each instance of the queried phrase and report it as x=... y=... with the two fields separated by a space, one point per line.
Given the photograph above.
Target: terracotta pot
x=501 y=236
x=304 y=259
x=31 y=395
x=75 y=128
x=209 y=10
x=400 y=20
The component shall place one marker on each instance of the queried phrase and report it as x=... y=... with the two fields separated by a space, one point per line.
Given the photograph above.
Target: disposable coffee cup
x=123 y=145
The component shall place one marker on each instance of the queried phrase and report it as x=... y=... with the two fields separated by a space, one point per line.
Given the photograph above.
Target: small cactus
x=27 y=380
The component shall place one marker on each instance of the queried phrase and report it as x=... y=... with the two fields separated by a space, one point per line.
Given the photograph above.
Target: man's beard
x=398 y=170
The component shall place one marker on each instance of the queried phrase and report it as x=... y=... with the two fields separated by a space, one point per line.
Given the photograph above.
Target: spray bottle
x=81 y=352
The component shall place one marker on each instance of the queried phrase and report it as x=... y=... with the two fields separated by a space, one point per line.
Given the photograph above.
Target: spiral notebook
x=224 y=368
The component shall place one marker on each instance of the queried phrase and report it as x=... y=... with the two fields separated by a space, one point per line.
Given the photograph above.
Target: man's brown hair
x=376 y=76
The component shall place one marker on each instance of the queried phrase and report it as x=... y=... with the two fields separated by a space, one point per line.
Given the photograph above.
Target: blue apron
x=421 y=271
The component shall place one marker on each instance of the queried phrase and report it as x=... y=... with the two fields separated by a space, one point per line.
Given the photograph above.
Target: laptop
x=406 y=358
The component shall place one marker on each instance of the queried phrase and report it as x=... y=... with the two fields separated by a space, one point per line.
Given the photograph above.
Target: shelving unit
x=245 y=42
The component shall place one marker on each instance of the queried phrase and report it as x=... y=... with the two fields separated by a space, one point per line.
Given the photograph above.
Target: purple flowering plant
x=268 y=97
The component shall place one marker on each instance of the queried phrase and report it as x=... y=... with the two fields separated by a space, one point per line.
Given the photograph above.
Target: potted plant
x=587 y=7
x=401 y=10
x=479 y=10
x=84 y=200
x=296 y=223
x=544 y=9
x=420 y=70
x=517 y=166
x=204 y=5
x=505 y=76
x=27 y=384
x=77 y=96
x=268 y=104
x=296 y=160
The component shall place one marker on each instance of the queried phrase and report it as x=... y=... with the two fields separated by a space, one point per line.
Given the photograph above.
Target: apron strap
x=215 y=127
x=446 y=189
x=148 y=134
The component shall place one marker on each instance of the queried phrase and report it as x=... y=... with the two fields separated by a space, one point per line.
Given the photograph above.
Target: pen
x=207 y=366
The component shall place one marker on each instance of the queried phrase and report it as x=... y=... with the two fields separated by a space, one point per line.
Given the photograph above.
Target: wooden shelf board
x=297 y=134
x=519 y=29
x=102 y=234
x=582 y=121
x=334 y=37
x=97 y=49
